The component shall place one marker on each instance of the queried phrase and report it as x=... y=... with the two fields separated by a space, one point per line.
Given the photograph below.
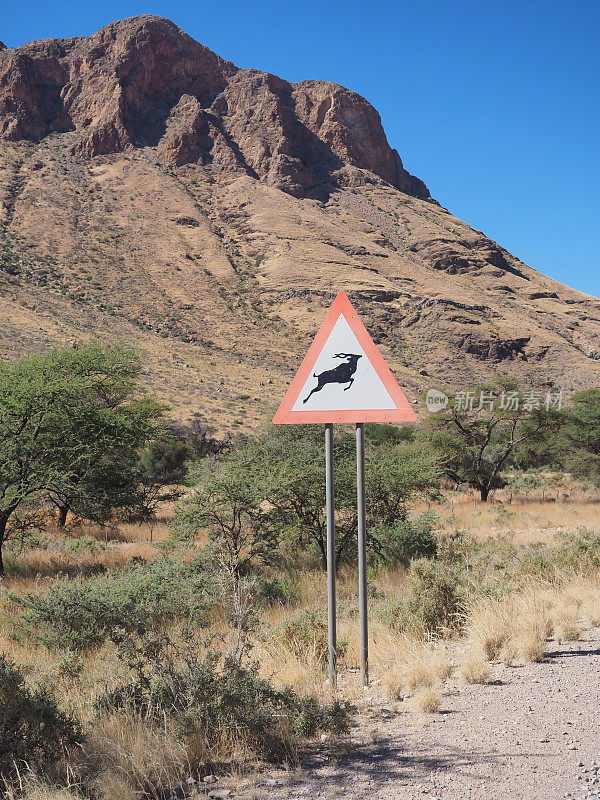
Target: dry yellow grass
x=426 y=701
x=531 y=521
x=474 y=667
x=418 y=667
x=514 y=629
x=489 y=628
x=37 y=563
x=566 y=626
x=577 y=604
x=517 y=627
x=126 y=755
x=426 y=668
x=117 y=545
x=33 y=790
x=525 y=646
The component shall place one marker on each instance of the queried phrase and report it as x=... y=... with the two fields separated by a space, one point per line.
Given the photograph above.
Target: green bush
x=309 y=716
x=214 y=695
x=305 y=635
x=456 y=547
x=279 y=589
x=70 y=665
x=497 y=564
x=79 y=614
x=579 y=550
x=436 y=600
x=406 y=539
x=34 y=731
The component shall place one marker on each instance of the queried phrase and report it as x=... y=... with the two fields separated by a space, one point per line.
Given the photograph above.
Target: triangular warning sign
x=343 y=377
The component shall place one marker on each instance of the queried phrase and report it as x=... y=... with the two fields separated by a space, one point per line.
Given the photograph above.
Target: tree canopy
x=271 y=491
x=580 y=436
x=71 y=425
x=481 y=438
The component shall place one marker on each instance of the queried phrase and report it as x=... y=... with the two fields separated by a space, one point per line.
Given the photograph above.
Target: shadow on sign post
x=344 y=379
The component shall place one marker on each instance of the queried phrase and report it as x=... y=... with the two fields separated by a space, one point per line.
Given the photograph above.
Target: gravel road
x=532 y=733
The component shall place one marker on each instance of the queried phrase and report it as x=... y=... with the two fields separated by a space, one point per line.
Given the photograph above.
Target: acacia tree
x=292 y=462
x=580 y=437
x=227 y=503
x=162 y=467
x=71 y=424
x=274 y=486
x=478 y=440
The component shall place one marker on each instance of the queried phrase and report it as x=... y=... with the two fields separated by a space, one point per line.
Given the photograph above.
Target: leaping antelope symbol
x=341 y=374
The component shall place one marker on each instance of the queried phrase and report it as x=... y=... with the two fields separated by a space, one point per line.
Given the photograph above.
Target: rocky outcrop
x=475 y=255
x=144 y=82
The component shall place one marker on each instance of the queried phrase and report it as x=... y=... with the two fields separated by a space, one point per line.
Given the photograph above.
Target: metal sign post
x=362 y=553
x=344 y=378
x=330 y=509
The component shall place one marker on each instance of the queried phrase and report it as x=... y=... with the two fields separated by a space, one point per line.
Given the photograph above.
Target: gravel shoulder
x=533 y=732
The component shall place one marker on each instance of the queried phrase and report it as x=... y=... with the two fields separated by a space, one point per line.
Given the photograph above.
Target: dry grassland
x=414 y=672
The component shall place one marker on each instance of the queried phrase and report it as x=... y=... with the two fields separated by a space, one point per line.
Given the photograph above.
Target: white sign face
x=343 y=378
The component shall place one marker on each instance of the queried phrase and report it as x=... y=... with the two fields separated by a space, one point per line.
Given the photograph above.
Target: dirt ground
x=533 y=732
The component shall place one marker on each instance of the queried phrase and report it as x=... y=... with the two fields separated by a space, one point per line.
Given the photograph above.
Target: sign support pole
x=362 y=553
x=331 y=611
x=343 y=378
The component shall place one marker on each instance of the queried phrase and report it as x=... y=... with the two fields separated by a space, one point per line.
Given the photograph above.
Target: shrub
x=34 y=731
x=405 y=540
x=80 y=614
x=474 y=667
x=579 y=549
x=309 y=716
x=69 y=665
x=280 y=589
x=213 y=698
x=436 y=600
x=305 y=635
x=427 y=700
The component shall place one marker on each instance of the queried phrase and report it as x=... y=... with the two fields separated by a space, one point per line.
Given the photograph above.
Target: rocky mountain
x=153 y=193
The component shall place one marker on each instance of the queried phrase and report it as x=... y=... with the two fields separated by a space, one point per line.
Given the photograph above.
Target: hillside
x=154 y=194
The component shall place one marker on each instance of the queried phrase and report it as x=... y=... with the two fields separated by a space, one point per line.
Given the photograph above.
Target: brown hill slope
x=152 y=193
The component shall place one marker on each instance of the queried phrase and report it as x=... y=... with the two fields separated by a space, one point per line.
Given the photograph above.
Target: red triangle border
x=403 y=411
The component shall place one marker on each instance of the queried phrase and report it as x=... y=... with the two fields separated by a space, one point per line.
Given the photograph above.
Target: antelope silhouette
x=341 y=374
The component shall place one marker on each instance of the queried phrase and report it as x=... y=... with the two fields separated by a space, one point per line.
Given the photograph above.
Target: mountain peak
x=143 y=81
x=208 y=214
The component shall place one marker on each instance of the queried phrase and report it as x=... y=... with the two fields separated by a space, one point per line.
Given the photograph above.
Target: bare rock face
x=352 y=129
x=143 y=81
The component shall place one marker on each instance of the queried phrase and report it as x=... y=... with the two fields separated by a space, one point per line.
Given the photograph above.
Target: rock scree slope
x=153 y=193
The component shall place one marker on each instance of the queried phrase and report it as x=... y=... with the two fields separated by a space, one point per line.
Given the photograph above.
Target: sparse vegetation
x=474 y=667
x=165 y=658
x=426 y=700
x=35 y=734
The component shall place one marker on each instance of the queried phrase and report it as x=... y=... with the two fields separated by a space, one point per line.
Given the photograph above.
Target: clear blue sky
x=494 y=103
